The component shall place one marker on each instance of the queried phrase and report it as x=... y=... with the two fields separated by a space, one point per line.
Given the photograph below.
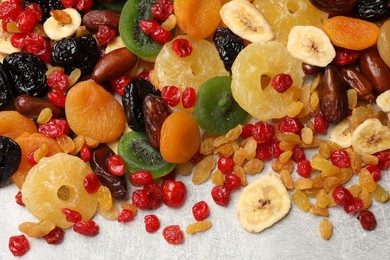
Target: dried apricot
x=13 y=124
x=351 y=33
x=93 y=112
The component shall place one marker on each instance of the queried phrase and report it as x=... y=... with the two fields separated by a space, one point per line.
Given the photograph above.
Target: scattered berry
x=58 y=80
x=18 y=245
x=105 y=35
x=340 y=158
x=304 y=168
x=140 y=199
x=173 y=234
x=342 y=195
x=126 y=216
x=225 y=164
x=86 y=228
x=162 y=9
x=152 y=223
x=353 y=206
x=56 y=236
x=116 y=165
x=320 y=124
x=263 y=132
x=91 y=183
x=367 y=220
x=188 y=97
x=182 y=47
x=71 y=215
x=298 y=154
x=171 y=95
x=140 y=178
x=18 y=198
x=376 y=173
x=174 y=193
x=221 y=195
x=200 y=210
x=282 y=82
x=232 y=181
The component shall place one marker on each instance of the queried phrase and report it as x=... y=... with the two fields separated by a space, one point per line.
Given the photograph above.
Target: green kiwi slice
x=137 y=153
x=215 y=110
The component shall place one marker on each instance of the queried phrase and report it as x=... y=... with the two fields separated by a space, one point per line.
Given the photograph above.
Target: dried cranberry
x=353 y=206
x=140 y=178
x=68 y=3
x=86 y=228
x=37 y=45
x=119 y=84
x=247 y=131
x=200 y=210
x=18 y=245
x=276 y=151
x=105 y=35
x=30 y=158
x=367 y=220
x=263 y=132
x=57 y=98
x=196 y=158
x=58 y=80
x=376 y=173
x=304 y=168
x=342 y=195
x=55 y=237
x=320 y=124
x=155 y=194
x=340 y=158
x=149 y=26
x=174 y=193
x=188 y=97
x=221 y=195
x=84 y=5
x=144 y=75
x=36 y=9
x=173 y=234
x=55 y=127
x=140 y=199
x=225 y=164
x=232 y=181
x=182 y=47
x=290 y=125
x=116 y=165
x=71 y=215
x=171 y=95
x=282 y=82
x=161 y=35
x=383 y=160
x=126 y=216
x=162 y=9
x=18 y=198
x=264 y=151
x=91 y=183
x=26 y=20
x=10 y=9
x=18 y=40
x=152 y=223
x=345 y=57
x=298 y=154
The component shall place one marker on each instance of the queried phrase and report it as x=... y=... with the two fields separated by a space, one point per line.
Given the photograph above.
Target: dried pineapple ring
x=56 y=182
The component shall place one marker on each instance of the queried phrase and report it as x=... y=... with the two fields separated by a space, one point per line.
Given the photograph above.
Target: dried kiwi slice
x=135 y=149
x=215 y=110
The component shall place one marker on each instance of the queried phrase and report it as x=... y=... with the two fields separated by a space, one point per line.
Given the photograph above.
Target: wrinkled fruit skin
x=6 y=85
x=46 y=7
x=174 y=193
x=335 y=7
x=10 y=155
x=372 y=10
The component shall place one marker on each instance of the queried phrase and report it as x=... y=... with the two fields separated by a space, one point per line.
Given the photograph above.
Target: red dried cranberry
x=57 y=98
x=182 y=47
x=152 y=223
x=188 y=97
x=376 y=173
x=225 y=164
x=162 y=9
x=161 y=35
x=171 y=95
x=345 y=57
x=84 y=5
x=221 y=195
x=290 y=125
x=30 y=158
x=144 y=75
x=320 y=124
x=149 y=26
x=58 y=80
x=37 y=45
x=126 y=215
x=68 y=3
x=340 y=158
x=196 y=158
x=105 y=35
x=298 y=154
x=119 y=84
x=36 y=9
x=140 y=178
x=264 y=151
x=55 y=127
x=174 y=193
x=140 y=199
x=91 y=183
x=26 y=20
x=276 y=151
x=232 y=181
x=200 y=210
x=18 y=198
x=342 y=195
x=155 y=194
x=71 y=215
x=367 y=220
x=116 y=165
x=10 y=9
x=85 y=153
x=282 y=82
x=263 y=132
x=18 y=40
x=55 y=237
x=86 y=228
x=173 y=235
x=353 y=206
x=247 y=131
x=383 y=160
x=304 y=168
x=18 y=245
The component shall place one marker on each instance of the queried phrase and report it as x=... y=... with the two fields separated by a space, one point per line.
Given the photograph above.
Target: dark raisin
x=372 y=10
x=10 y=155
x=46 y=7
x=81 y=52
x=228 y=45
x=99 y=164
x=6 y=94
x=28 y=74
x=132 y=101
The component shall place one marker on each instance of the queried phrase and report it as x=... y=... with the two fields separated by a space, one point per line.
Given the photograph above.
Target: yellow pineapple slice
x=261 y=100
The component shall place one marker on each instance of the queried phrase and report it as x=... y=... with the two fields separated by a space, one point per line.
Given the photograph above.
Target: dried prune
x=80 y=52
x=228 y=45
x=99 y=164
x=372 y=10
x=132 y=101
x=10 y=155
x=5 y=87
x=46 y=7
x=28 y=74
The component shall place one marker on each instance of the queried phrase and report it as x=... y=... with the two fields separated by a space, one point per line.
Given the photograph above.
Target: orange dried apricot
x=29 y=143
x=93 y=112
x=351 y=33
x=180 y=137
x=197 y=18
x=13 y=124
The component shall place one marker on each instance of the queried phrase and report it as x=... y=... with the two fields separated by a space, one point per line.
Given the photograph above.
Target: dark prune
x=335 y=7
x=132 y=101
x=10 y=155
x=80 y=52
x=228 y=45
x=6 y=94
x=372 y=10
x=46 y=7
x=99 y=164
x=28 y=74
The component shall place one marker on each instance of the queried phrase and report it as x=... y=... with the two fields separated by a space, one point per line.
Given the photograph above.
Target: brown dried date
x=356 y=80
x=32 y=106
x=333 y=95
x=310 y=69
x=99 y=164
x=335 y=7
x=375 y=70
x=94 y=18
x=155 y=112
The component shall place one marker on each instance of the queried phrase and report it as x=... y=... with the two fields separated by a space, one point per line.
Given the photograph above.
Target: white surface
x=295 y=237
